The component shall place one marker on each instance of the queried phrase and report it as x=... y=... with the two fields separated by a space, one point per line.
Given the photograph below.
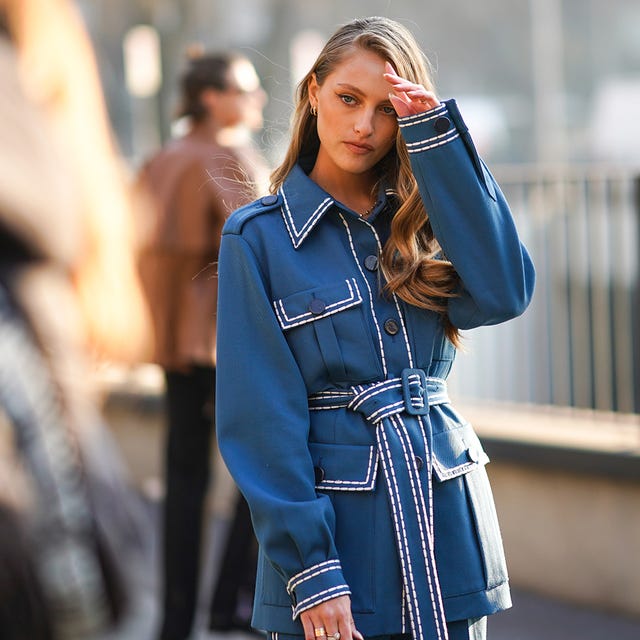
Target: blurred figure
x=68 y=289
x=195 y=181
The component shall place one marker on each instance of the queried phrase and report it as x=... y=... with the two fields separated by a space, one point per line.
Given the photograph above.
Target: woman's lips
x=358 y=147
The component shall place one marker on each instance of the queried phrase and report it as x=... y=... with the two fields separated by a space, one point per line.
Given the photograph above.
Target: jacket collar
x=304 y=203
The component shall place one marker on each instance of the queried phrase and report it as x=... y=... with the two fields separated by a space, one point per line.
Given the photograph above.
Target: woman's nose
x=363 y=125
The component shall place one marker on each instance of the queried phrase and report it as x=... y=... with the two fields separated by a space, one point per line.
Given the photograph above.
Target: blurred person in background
x=69 y=298
x=341 y=300
x=194 y=182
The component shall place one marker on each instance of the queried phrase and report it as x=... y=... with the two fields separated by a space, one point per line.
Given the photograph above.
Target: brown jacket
x=194 y=185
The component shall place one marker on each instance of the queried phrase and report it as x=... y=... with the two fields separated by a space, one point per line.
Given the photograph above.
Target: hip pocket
x=469 y=549
x=347 y=475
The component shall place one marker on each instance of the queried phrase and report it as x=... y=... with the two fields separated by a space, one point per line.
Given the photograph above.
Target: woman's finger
x=408 y=98
x=354 y=632
x=404 y=85
x=388 y=67
x=312 y=628
x=401 y=107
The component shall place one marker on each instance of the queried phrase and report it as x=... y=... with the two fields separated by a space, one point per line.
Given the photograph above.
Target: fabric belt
x=399 y=408
x=413 y=392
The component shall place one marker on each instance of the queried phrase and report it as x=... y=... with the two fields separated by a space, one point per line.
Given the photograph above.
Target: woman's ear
x=312 y=89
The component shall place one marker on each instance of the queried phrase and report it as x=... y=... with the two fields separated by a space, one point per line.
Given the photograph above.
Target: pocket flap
x=344 y=467
x=456 y=452
x=314 y=304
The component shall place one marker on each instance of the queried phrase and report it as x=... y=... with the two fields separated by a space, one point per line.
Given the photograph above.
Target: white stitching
x=404 y=612
x=333 y=393
x=374 y=390
x=401 y=535
x=386 y=411
x=395 y=299
x=421 y=507
x=287 y=320
x=356 y=485
x=446 y=473
x=335 y=562
x=337 y=406
x=434 y=398
x=442 y=136
x=315 y=574
x=431 y=532
x=373 y=311
x=296 y=236
x=417 y=118
x=433 y=146
x=288 y=323
x=302 y=606
x=409 y=457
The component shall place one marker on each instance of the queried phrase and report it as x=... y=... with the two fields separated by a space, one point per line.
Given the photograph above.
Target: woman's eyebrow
x=350 y=87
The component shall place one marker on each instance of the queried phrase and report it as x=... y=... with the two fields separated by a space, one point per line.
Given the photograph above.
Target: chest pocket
x=328 y=334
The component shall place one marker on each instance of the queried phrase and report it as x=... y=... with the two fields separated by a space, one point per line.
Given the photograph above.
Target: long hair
x=410 y=262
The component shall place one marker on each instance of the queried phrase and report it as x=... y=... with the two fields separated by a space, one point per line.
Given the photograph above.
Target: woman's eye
x=347 y=99
x=388 y=110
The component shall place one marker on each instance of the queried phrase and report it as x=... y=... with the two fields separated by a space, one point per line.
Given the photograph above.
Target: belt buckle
x=415 y=392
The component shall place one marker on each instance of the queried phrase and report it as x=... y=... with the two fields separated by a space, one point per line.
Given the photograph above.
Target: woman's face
x=242 y=101
x=356 y=122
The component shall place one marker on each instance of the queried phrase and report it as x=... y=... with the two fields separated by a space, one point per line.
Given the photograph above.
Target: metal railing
x=577 y=344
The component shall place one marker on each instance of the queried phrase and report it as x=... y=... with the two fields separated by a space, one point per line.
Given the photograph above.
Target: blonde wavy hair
x=411 y=263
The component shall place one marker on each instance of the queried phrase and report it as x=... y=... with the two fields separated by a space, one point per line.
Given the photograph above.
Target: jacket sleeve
x=470 y=218
x=262 y=422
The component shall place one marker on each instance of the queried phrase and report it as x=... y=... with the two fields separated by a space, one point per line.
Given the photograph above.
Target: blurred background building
x=539 y=80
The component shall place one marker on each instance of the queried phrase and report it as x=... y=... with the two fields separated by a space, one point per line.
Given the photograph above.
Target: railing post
x=635 y=318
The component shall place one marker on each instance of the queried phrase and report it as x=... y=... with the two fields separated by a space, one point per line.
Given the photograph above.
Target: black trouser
x=190 y=401
x=190 y=413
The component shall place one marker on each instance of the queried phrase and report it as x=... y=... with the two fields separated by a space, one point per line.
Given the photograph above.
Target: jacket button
x=317 y=306
x=391 y=327
x=473 y=453
x=442 y=124
x=269 y=200
x=419 y=462
x=371 y=263
x=318 y=473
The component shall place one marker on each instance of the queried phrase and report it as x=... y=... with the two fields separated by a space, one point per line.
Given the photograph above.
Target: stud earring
x=314 y=110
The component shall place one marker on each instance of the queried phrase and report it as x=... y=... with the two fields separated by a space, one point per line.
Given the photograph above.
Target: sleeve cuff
x=428 y=130
x=315 y=585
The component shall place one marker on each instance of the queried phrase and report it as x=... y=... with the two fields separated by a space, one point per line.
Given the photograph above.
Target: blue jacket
x=332 y=410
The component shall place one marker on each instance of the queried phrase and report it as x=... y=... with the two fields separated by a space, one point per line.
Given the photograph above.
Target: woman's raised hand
x=407 y=97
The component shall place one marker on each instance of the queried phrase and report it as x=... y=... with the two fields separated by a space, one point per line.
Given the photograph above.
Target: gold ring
x=335 y=636
x=320 y=632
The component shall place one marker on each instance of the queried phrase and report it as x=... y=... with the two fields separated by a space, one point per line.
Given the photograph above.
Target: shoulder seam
x=236 y=221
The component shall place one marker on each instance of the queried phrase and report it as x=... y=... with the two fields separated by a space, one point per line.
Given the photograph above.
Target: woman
x=341 y=298
x=195 y=181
